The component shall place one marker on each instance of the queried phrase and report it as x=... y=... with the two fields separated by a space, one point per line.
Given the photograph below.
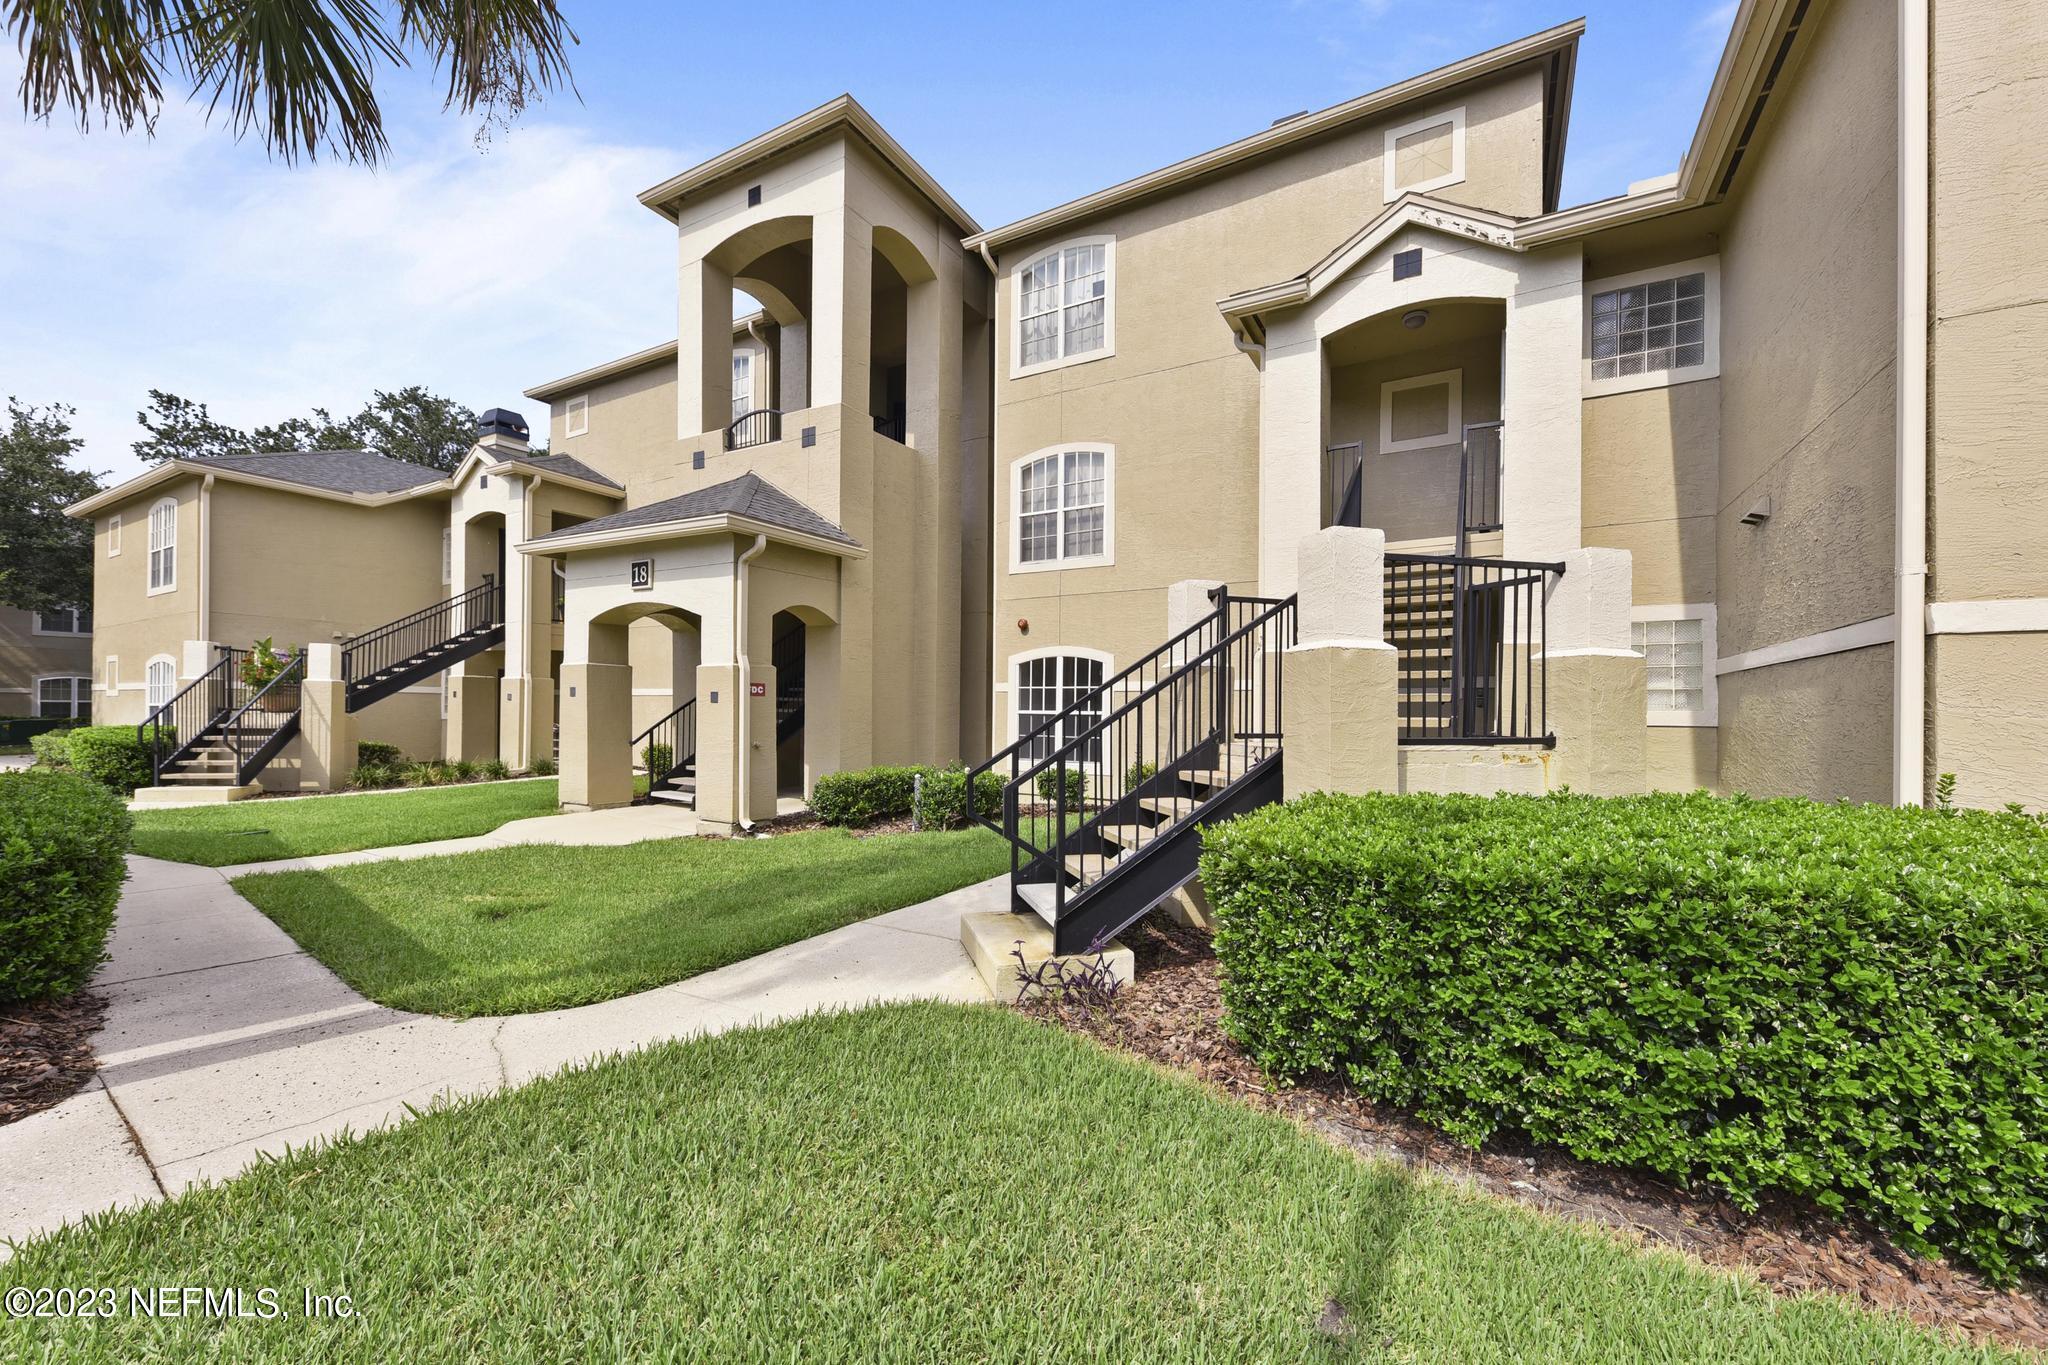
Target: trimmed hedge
x=52 y=749
x=112 y=755
x=942 y=800
x=63 y=853
x=1846 y=1003
x=377 y=754
x=1048 y=781
x=862 y=796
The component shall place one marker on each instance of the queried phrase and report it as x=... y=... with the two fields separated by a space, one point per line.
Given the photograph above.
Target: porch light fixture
x=1414 y=318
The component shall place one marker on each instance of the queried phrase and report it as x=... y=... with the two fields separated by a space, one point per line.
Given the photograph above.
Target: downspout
x=745 y=670
x=206 y=558
x=1909 y=654
x=532 y=486
x=1254 y=349
x=988 y=258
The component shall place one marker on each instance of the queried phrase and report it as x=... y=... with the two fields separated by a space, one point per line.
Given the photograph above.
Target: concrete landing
x=990 y=938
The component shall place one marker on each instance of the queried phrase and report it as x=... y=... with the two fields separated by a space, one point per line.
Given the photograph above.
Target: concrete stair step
x=1173 y=807
x=1129 y=836
x=1087 y=868
x=680 y=798
x=215 y=779
x=1039 y=896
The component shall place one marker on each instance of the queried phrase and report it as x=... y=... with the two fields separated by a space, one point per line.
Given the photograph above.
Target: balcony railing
x=1479 y=473
x=756 y=428
x=1470 y=638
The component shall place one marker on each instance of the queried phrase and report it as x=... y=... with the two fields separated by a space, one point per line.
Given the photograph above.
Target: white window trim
x=576 y=415
x=113 y=536
x=35 y=625
x=1589 y=387
x=1018 y=370
x=170 y=583
x=111 y=683
x=1009 y=683
x=1456 y=118
x=172 y=664
x=1064 y=561
x=1710 y=689
x=74 y=679
x=1451 y=437
x=447 y=555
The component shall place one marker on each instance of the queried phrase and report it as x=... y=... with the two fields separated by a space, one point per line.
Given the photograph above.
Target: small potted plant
x=260 y=667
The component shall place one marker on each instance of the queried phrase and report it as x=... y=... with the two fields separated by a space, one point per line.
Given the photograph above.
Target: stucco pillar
x=473 y=709
x=195 y=658
x=932 y=429
x=703 y=349
x=597 y=717
x=327 y=732
x=760 y=741
x=1597 y=686
x=718 y=739
x=1291 y=389
x=842 y=268
x=1540 y=407
x=1342 y=711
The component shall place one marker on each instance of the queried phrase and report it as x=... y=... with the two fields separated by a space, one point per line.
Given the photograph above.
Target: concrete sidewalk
x=622 y=825
x=224 y=1041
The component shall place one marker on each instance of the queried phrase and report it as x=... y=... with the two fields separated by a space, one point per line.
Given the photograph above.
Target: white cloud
x=191 y=263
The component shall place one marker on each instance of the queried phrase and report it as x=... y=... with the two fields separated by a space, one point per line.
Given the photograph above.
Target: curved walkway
x=226 y=1041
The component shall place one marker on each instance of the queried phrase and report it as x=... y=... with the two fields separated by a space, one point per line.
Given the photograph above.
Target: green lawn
x=253 y=831
x=917 y=1183
x=507 y=931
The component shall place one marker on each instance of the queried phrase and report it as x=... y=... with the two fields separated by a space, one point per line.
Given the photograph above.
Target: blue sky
x=192 y=263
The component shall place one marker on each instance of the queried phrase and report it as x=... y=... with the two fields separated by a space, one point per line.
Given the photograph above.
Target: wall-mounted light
x=1414 y=318
x=1023 y=626
x=1758 y=514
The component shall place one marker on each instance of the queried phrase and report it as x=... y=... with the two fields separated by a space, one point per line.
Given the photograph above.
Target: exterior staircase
x=1103 y=804
x=399 y=653
x=667 y=750
x=219 y=731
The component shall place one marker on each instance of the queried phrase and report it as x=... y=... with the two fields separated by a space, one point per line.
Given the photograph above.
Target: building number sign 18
x=643 y=575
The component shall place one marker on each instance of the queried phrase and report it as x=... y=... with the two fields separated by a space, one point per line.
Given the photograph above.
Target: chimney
x=501 y=429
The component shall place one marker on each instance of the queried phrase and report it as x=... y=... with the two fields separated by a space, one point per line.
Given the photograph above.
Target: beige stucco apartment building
x=937 y=484
x=46 y=664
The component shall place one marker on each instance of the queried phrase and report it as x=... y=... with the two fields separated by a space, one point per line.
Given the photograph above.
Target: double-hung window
x=742 y=384
x=1066 y=306
x=1047 y=685
x=163 y=546
x=64 y=698
x=1063 y=508
x=64 y=621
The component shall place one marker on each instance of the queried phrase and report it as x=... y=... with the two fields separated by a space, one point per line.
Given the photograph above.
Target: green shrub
x=372 y=776
x=372 y=753
x=1047 y=785
x=462 y=769
x=941 y=800
x=862 y=796
x=543 y=767
x=493 y=769
x=52 y=749
x=63 y=853
x=1846 y=1003
x=656 y=758
x=112 y=755
x=426 y=774
x=1138 y=774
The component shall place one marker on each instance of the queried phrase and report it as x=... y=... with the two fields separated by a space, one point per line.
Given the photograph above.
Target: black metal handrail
x=1479 y=470
x=376 y=651
x=172 y=728
x=755 y=428
x=1155 y=665
x=1220 y=713
x=255 y=732
x=673 y=739
x=1471 y=634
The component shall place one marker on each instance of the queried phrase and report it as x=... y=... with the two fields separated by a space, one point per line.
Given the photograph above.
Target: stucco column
x=597 y=729
x=1291 y=389
x=1597 y=684
x=761 y=747
x=842 y=268
x=1342 y=711
x=718 y=740
x=703 y=348
x=1540 y=406
x=327 y=732
x=932 y=429
x=473 y=709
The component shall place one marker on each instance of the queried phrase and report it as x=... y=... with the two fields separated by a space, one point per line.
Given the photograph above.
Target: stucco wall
x=1413 y=494
x=1177 y=400
x=1807 y=399
x=130 y=623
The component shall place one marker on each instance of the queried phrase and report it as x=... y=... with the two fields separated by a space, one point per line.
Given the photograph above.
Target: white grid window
x=162 y=678
x=1677 y=645
x=1064 y=304
x=1650 y=328
x=163 y=546
x=1063 y=508
x=64 y=698
x=742 y=384
x=64 y=621
x=1048 y=685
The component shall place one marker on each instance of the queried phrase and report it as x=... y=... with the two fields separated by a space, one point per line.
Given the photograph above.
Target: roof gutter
x=1909 y=653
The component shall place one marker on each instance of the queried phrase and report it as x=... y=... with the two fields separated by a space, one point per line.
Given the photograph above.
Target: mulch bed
x=46 y=1052
x=1172 y=1015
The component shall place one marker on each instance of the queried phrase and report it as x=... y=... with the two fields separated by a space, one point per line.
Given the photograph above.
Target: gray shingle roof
x=749 y=496
x=335 y=471
x=562 y=464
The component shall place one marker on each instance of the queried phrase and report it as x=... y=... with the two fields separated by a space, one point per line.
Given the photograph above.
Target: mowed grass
x=255 y=831
x=507 y=931
x=916 y=1183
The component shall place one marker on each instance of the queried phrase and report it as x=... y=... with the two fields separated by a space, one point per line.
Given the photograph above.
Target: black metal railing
x=169 y=731
x=364 y=657
x=1226 y=612
x=264 y=723
x=668 y=746
x=892 y=427
x=1470 y=635
x=1479 y=466
x=1110 y=788
x=755 y=428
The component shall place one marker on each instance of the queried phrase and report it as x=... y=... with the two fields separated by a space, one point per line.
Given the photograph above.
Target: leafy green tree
x=415 y=425
x=182 y=429
x=410 y=424
x=45 y=556
x=297 y=74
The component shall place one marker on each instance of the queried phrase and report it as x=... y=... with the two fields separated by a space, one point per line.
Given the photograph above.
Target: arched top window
x=1062 y=502
x=1045 y=683
x=161 y=675
x=1066 y=306
x=163 y=546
